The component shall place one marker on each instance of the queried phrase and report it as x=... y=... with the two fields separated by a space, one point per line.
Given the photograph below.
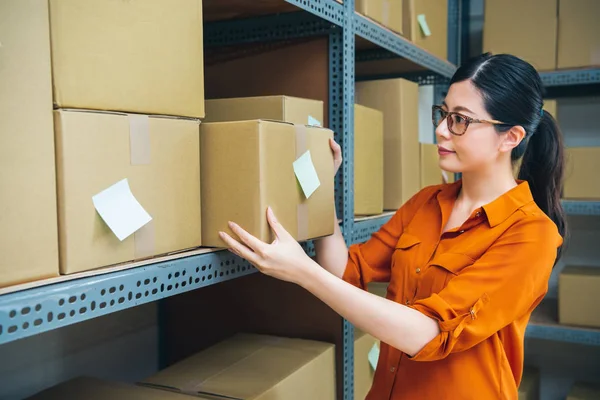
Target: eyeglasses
x=457 y=123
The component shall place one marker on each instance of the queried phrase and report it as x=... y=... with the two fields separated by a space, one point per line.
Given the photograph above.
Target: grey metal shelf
x=584 y=76
x=544 y=325
x=364 y=227
x=575 y=207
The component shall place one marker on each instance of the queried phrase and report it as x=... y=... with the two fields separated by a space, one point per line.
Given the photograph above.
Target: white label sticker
x=374 y=356
x=423 y=24
x=120 y=210
x=312 y=121
x=306 y=174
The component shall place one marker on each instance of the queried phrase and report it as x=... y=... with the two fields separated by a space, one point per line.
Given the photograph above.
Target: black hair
x=512 y=92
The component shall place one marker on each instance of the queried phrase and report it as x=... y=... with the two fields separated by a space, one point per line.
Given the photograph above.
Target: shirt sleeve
x=371 y=261
x=506 y=283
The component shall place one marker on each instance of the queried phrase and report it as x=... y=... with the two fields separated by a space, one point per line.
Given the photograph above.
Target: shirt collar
x=498 y=210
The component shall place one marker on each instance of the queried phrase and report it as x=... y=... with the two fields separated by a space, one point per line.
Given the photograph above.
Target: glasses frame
x=470 y=120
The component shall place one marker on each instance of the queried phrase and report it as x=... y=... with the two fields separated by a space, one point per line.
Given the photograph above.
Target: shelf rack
x=32 y=309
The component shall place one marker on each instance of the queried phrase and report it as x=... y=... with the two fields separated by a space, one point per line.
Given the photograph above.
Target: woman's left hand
x=283 y=259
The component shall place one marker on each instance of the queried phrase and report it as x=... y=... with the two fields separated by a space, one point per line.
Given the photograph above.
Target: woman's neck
x=483 y=187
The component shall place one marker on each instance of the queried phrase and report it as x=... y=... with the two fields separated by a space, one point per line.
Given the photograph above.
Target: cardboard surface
x=277 y=108
x=368 y=161
x=431 y=173
x=268 y=70
x=85 y=388
x=435 y=13
x=578 y=296
x=398 y=99
x=387 y=12
x=578 y=33
x=583 y=391
x=258 y=173
x=529 y=389
x=93 y=153
x=134 y=56
x=526 y=29
x=259 y=367
x=28 y=222
x=363 y=372
x=582 y=181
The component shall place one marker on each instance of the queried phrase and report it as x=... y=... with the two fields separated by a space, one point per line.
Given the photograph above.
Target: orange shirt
x=480 y=281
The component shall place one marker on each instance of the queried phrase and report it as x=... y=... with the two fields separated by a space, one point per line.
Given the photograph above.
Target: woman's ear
x=512 y=138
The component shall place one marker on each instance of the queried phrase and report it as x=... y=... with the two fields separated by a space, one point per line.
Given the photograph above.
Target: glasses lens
x=458 y=124
x=438 y=116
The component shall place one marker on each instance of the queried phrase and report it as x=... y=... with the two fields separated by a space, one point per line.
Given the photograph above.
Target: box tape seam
x=302 y=210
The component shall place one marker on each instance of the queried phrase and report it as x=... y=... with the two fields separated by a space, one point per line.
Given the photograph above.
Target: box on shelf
x=431 y=173
x=277 y=108
x=426 y=25
x=582 y=181
x=257 y=172
x=526 y=29
x=368 y=161
x=257 y=367
x=28 y=222
x=578 y=33
x=578 y=296
x=158 y=156
x=529 y=389
x=133 y=56
x=96 y=389
x=398 y=99
x=298 y=69
x=387 y=12
x=378 y=288
x=364 y=356
x=582 y=391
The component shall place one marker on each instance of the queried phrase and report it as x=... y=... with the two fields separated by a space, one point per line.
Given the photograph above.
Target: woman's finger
x=277 y=228
x=239 y=249
x=246 y=238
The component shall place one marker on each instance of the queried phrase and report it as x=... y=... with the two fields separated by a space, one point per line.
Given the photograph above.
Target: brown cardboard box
x=300 y=70
x=526 y=29
x=28 y=230
x=582 y=180
x=582 y=391
x=256 y=367
x=134 y=56
x=276 y=108
x=398 y=99
x=436 y=15
x=93 y=153
x=578 y=296
x=386 y=12
x=529 y=389
x=578 y=33
x=363 y=371
x=368 y=161
x=85 y=388
x=431 y=173
x=257 y=172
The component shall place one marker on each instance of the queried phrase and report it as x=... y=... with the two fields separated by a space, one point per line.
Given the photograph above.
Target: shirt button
x=477 y=214
x=393 y=369
x=407 y=302
x=418 y=270
x=461 y=232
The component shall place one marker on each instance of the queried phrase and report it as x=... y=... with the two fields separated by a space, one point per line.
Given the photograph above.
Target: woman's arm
x=332 y=253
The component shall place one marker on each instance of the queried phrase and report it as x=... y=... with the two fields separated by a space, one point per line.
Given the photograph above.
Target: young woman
x=467 y=262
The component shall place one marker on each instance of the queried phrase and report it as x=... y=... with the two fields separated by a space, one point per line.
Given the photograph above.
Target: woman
x=467 y=262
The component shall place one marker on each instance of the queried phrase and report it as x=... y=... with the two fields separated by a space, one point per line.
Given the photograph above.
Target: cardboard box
x=378 y=288
x=578 y=296
x=28 y=224
x=255 y=367
x=161 y=162
x=387 y=12
x=526 y=29
x=582 y=391
x=363 y=370
x=529 y=389
x=398 y=99
x=134 y=56
x=257 y=172
x=582 y=181
x=267 y=70
x=276 y=108
x=578 y=33
x=435 y=15
x=368 y=161
x=85 y=388
x=431 y=173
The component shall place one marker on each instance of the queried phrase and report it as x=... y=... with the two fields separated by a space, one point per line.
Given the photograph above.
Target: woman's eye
x=459 y=119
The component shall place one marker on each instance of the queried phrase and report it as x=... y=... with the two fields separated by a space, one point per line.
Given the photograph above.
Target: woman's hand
x=283 y=259
x=337 y=155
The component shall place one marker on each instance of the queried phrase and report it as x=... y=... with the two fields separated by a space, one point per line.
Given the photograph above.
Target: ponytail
x=543 y=168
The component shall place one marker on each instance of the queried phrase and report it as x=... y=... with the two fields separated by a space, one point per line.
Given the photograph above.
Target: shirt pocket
x=405 y=257
x=439 y=271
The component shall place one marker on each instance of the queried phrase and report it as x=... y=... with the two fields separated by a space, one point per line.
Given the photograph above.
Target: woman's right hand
x=337 y=155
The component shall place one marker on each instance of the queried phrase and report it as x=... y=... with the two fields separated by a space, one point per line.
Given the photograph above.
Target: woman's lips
x=442 y=151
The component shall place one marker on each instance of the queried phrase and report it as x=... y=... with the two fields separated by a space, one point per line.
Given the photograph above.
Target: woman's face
x=480 y=148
